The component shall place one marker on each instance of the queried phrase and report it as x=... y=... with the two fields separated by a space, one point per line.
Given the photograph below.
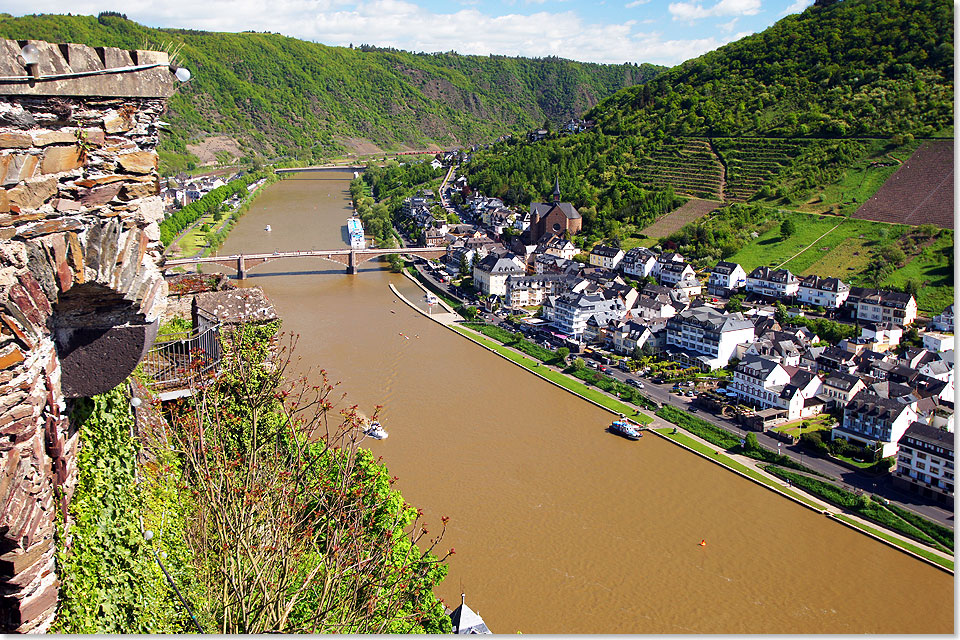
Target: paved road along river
x=559 y=526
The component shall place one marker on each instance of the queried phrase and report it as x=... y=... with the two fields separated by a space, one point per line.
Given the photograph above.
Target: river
x=559 y=526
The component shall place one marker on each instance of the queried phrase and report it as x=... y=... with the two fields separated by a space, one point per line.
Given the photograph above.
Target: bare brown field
x=693 y=209
x=920 y=191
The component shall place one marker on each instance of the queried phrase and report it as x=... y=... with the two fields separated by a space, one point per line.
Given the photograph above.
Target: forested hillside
x=288 y=98
x=776 y=117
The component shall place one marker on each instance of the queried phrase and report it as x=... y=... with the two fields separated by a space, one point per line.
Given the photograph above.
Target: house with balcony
x=829 y=293
x=673 y=272
x=772 y=283
x=705 y=337
x=573 y=309
x=726 y=279
x=606 y=257
x=638 y=262
x=925 y=462
x=663 y=259
x=526 y=291
x=764 y=383
x=887 y=306
x=557 y=246
x=840 y=388
x=869 y=420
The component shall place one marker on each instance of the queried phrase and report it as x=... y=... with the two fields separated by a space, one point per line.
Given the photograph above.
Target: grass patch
x=555 y=376
x=517 y=341
x=933 y=268
x=940 y=533
x=708 y=431
x=770 y=249
x=796 y=428
x=920 y=551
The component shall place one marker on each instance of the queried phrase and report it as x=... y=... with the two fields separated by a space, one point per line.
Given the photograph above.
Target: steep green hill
x=774 y=117
x=857 y=67
x=284 y=97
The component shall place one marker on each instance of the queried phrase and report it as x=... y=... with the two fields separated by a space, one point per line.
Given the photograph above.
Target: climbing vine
x=110 y=579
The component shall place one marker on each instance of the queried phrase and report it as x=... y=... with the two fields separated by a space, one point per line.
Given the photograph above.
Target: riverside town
x=305 y=338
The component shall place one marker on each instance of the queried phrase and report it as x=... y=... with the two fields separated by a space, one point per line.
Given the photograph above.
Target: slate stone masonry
x=80 y=292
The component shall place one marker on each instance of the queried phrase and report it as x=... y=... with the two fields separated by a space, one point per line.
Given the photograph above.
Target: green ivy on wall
x=111 y=582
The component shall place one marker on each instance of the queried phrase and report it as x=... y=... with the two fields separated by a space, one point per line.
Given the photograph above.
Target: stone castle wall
x=80 y=291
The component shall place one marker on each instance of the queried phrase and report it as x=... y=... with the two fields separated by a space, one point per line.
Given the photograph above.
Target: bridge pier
x=352 y=264
x=241 y=268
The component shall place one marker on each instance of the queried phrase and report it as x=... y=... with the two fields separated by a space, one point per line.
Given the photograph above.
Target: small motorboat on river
x=376 y=431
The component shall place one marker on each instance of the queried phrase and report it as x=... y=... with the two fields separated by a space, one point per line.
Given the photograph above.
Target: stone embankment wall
x=80 y=291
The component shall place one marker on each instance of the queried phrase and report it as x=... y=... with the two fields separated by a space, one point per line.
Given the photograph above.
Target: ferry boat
x=355 y=231
x=376 y=431
x=625 y=429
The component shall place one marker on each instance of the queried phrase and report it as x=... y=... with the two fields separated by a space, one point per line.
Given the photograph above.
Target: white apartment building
x=726 y=278
x=869 y=419
x=925 y=462
x=490 y=274
x=572 y=310
x=774 y=283
x=822 y=292
x=706 y=336
x=887 y=306
x=638 y=262
x=765 y=383
x=673 y=272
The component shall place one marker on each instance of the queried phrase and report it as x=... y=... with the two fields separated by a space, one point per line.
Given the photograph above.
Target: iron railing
x=181 y=360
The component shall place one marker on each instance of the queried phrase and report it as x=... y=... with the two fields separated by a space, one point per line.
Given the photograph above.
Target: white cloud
x=691 y=11
x=728 y=26
x=405 y=25
x=796 y=7
x=635 y=4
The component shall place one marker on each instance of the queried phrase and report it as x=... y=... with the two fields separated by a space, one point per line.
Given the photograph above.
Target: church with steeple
x=556 y=218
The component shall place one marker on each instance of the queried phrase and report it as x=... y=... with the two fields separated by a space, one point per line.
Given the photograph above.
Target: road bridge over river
x=352 y=258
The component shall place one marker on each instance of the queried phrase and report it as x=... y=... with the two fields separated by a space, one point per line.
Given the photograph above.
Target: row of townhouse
x=870 y=305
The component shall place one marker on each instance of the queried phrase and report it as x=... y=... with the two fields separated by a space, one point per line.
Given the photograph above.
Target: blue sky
x=612 y=31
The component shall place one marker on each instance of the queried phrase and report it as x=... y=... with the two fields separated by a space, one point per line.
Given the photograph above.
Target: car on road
x=634 y=383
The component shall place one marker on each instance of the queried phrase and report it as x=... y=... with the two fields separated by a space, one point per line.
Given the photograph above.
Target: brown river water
x=559 y=526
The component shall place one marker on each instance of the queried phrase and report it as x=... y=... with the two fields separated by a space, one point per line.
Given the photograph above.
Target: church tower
x=556 y=190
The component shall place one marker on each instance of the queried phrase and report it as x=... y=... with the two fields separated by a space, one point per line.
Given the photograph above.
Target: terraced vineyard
x=693 y=209
x=691 y=167
x=753 y=161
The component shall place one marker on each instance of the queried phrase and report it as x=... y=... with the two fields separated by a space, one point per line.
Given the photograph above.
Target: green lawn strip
x=559 y=378
x=920 y=551
x=511 y=339
x=940 y=533
x=861 y=505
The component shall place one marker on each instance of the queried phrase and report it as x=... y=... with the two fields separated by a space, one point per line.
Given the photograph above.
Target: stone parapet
x=80 y=292
x=79 y=70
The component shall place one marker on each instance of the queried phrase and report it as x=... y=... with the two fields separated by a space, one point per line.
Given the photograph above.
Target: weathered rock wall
x=80 y=292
